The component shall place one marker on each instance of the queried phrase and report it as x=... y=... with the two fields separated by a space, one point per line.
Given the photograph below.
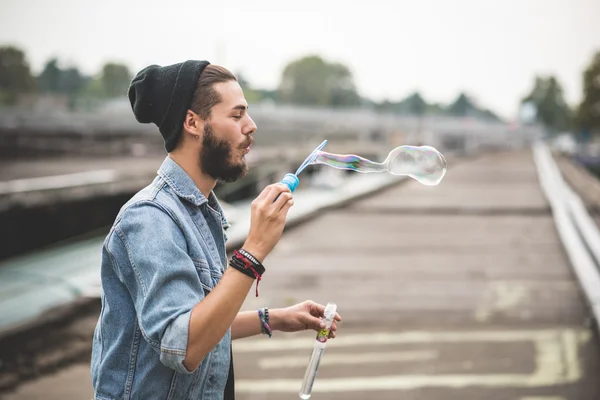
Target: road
x=460 y=291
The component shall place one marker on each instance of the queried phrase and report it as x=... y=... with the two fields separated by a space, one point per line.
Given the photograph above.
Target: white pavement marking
x=407 y=337
x=556 y=361
x=349 y=359
x=570 y=346
x=58 y=181
x=543 y=398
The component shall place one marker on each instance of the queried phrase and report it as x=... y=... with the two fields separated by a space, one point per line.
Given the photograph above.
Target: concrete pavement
x=457 y=291
x=460 y=291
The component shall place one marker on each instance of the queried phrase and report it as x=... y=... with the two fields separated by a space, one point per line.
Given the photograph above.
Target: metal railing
x=577 y=230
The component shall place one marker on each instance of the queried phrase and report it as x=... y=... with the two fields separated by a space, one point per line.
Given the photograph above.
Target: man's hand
x=302 y=316
x=268 y=219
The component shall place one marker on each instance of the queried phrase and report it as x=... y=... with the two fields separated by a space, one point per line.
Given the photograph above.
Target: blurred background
x=481 y=81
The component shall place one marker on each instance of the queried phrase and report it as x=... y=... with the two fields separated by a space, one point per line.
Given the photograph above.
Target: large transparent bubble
x=422 y=163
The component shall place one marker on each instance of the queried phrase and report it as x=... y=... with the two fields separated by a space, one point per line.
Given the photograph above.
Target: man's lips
x=246 y=147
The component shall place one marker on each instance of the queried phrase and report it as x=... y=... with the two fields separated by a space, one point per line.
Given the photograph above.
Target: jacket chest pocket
x=209 y=275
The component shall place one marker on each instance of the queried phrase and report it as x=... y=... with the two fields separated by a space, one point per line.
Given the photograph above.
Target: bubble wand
x=291 y=180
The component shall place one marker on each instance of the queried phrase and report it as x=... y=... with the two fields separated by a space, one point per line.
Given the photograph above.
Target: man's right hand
x=268 y=217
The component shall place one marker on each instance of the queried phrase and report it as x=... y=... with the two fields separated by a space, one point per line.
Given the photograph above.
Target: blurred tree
x=461 y=107
x=54 y=79
x=251 y=95
x=435 y=108
x=73 y=82
x=465 y=106
x=313 y=81
x=115 y=79
x=340 y=85
x=412 y=105
x=418 y=107
x=551 y=107
x=487 y=114
x=15 y=76
x=415 y=104
x=588 y=112
x=268 y=94
x=49 y=79
x=242 y=80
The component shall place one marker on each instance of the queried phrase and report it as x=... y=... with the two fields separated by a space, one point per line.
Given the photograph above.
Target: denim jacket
x=164 y=253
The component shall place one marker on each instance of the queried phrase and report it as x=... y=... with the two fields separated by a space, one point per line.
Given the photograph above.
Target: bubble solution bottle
x=318 y=350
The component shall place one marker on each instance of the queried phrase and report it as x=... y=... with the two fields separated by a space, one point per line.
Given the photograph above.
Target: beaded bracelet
x=263 y=314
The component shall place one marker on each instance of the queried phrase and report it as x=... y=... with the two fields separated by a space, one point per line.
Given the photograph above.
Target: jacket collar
x=185 y=188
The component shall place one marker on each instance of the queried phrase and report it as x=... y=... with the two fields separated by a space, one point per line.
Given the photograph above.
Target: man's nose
x=250 y=127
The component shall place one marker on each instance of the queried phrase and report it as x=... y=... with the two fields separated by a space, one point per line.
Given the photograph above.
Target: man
x=171 y=300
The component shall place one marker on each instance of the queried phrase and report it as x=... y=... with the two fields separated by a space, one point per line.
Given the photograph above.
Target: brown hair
x=205 y=96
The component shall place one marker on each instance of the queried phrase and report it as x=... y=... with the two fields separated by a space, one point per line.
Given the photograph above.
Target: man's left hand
x=302 y=316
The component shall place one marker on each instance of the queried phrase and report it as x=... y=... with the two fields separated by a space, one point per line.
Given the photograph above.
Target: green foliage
x=551 y=107
x=56 y=80
x=115 y=79
x=252 y=96
x=313 y=81
x=461 y=107
x=15 y=75
x=415 y=105
x=112 y=82
x=309 y=80
x=588 y=112
x=464 y=106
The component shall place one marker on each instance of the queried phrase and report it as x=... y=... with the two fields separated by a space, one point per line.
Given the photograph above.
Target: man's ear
x=192 y=124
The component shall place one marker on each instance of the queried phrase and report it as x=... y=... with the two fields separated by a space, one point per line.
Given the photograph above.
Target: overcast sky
x=490 y=49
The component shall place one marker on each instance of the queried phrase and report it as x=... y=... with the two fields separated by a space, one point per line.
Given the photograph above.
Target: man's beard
x=215 y=158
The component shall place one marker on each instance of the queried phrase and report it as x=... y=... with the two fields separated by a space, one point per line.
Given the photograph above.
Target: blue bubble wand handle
x=318 y=349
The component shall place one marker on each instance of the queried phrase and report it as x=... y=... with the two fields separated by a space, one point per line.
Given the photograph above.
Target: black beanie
x=163 y=95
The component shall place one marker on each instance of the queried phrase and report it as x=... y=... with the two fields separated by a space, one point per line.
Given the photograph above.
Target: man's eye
x=237 y=116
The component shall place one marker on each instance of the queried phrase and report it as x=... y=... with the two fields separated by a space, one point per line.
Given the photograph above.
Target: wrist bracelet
x=254 y=260
x=263 y=314
x=248 y=265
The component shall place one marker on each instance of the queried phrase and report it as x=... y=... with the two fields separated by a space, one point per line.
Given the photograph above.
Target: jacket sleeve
x=150 y=255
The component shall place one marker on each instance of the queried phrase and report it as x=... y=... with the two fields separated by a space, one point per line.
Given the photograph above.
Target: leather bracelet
x=247 y=266
x=254 y=260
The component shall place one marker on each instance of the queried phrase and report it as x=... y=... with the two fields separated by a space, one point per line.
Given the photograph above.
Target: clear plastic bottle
x=318 y=350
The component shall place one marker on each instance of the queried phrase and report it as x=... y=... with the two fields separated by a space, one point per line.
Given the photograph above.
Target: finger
x=286 y=207
x=282 y=200
x=338 y=317
x=264 y=192
x=317 y=310
x=315 y=323
x=332 y=330
x=276 y=190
